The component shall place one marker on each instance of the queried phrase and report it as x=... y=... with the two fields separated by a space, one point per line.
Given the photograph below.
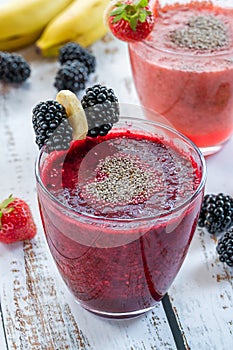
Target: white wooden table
x=36 y=310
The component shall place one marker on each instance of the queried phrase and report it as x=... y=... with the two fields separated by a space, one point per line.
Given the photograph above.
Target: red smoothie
x=184 y=70
x=123 y=212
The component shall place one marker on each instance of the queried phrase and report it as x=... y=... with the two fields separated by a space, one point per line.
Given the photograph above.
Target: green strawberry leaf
x=142 y=17
x=133 y=23
x=141 y=3
x=4 y=207
x=118 y=18
x=118 y=10
x=115 y=12
x=132 y=13
x=6 y=202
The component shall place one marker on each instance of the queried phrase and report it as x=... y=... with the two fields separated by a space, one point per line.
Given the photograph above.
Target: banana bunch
x=22 y=22
x=51 y=23
x=81 y=22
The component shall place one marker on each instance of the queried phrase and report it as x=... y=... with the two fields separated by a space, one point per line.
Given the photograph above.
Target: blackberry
x=101 y=109
x=13 y=68
x=216 y=213
x=72 y=76
x=225 y=248
x=2 y=63
x=51 y=126
x=72 y=51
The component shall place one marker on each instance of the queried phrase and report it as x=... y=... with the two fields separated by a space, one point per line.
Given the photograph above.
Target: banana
x=14 y=43
x=81 y=22
x=75 y=113
x=95 y=33
x=22 y=22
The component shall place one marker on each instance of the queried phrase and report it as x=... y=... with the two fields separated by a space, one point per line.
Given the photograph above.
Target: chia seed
x=122 y=180
x=201 y=33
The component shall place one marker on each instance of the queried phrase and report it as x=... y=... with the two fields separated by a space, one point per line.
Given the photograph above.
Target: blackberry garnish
x=51 y=126
x=72 y=76
x=216 y=213
x=101 y=109
x=13 y=68
x=72 y=51
x=225 y=248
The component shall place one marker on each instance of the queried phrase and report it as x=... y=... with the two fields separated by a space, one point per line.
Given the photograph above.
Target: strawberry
x=16 y=221
x=130 y=20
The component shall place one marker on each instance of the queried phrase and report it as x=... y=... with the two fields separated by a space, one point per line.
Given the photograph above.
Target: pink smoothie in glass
x=119 y=251
x=191 y=87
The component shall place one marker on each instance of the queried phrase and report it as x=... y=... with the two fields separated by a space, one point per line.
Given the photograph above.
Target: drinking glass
x=122 y=266
x=192 y=89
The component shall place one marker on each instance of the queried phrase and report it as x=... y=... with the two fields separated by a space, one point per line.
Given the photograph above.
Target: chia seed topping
x=121 y=179
x=201 y=33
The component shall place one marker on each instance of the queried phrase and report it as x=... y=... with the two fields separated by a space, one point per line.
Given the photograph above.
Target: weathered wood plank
x=203 y=292
x=3 y=340
x=40 y=313
x=33 y=312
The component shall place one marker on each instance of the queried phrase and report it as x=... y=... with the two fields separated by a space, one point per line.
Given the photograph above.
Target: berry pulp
x=119 y=251
x=190 y=85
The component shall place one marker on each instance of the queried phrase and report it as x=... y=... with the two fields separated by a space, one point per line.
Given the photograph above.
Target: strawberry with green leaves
x=130 y=20
x=16 y=221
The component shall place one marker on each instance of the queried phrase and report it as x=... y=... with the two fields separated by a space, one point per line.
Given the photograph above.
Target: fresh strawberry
x=130 y=20
x=16 y=221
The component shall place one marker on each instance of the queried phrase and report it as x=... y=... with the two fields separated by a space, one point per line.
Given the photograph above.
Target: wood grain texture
x=205 y=284
x=3 y=339
x=37 y=312
x=35 y=317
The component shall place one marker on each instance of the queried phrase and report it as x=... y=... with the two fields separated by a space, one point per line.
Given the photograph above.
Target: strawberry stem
x=132 y=13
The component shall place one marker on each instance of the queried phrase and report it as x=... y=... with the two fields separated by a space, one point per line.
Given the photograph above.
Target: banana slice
x=75 y=113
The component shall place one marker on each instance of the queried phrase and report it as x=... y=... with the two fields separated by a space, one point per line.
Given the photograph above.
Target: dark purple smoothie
x=121 y=219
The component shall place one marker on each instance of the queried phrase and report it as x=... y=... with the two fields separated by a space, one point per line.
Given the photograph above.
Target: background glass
x=194 y=92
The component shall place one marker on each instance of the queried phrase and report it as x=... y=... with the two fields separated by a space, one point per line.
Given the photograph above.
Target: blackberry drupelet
x=216 y=213
x=225 y=248
x=101 y=109
x=2 y=62
x=72 y=51
x=51 y=126
x=13 y=68
x=72 y=76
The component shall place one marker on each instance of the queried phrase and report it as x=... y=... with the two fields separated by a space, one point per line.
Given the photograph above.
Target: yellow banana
x=75 y=113
x=22 y=22
x=81 y=22
x=95 y=33
x=14 y=43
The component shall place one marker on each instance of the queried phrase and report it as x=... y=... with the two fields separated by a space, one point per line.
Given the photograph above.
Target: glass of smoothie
x=184 y=70
x=119 y=213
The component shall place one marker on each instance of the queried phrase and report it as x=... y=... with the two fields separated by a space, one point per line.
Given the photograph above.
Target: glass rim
x=189 y=200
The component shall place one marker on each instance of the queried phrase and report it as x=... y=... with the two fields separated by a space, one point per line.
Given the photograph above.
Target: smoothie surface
x=123 y=175
x=195 y=29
